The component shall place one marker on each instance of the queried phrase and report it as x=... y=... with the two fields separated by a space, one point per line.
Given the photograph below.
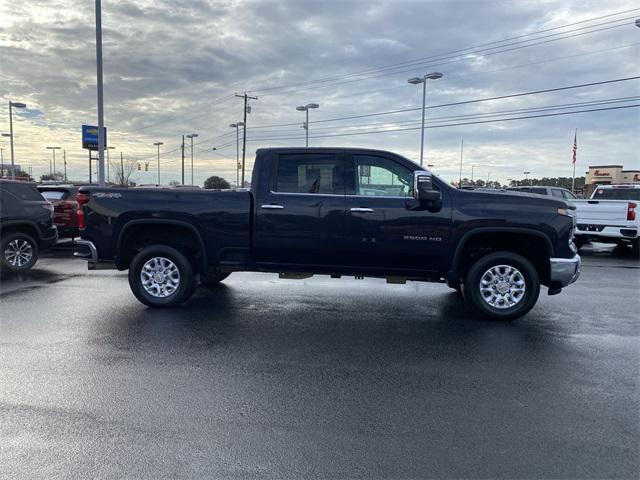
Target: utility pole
x=182 y=148
x=461 y=150
x=121 y=170
x=472 y=167
x=157 y=144
x=64 y=158
x=244 y=131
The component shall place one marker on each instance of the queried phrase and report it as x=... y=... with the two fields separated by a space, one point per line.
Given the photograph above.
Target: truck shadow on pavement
x=218 y=321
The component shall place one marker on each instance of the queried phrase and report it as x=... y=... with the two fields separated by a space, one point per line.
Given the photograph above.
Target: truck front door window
x=379 y=176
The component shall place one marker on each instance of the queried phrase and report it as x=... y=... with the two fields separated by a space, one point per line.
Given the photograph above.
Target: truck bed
x=218 y=216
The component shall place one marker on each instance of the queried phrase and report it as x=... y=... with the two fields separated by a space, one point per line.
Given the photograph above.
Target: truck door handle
x=362 y=209
x=272 y=206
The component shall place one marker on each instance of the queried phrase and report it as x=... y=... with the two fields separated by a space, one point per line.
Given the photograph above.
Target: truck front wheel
x=502 y=286
x=161 y=276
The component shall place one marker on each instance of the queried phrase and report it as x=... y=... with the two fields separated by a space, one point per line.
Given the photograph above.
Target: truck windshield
x=617 y=194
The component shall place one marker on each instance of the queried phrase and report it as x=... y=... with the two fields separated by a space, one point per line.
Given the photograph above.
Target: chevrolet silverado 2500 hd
x=334 y=211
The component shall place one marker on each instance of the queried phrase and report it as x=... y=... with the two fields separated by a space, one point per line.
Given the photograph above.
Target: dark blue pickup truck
x=334 y=211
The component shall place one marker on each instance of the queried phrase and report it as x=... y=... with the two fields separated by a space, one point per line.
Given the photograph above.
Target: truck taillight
x=631 y=211
x=81 y=198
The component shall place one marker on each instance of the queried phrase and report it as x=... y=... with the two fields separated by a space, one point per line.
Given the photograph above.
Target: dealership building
x=609 y=174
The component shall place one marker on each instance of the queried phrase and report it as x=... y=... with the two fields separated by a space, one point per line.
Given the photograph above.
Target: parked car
x=311 y=211
x=65 y=206
x=26 y=225
x=556 y=192
x=611 y=215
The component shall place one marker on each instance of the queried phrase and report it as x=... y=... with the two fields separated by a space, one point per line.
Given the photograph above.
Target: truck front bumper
x=564 y=271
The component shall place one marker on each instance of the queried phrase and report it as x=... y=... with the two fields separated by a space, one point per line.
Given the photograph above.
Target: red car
x=63 y=198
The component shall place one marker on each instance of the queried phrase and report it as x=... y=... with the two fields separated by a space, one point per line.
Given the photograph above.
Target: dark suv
x=26 y=225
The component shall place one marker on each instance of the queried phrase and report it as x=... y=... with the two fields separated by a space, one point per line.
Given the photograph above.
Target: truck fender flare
x=164 y=221
x=452 y=277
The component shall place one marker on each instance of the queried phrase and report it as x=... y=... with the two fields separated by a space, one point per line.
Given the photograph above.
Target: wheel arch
x=467 y=240
x=126 y=235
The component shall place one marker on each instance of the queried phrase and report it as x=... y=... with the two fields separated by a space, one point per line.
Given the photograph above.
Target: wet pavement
x=317 y=378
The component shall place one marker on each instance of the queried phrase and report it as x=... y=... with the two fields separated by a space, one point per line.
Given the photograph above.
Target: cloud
x=173 y=67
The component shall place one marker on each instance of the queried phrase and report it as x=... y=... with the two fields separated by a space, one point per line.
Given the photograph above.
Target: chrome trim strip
x=272 y=207
x=338 y=195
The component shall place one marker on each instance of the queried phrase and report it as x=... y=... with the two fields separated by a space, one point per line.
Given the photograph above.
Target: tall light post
x=305 y=108
x=192 y=136
x=108 y=161
x=101 y=138
x=2 y=161
x=53 y=151
x=526 y=177
x=423 y=81
x=157 y=144
x=13 y=105
x=237 y=125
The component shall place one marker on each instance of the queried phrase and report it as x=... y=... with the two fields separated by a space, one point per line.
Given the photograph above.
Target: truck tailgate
x=601 y=212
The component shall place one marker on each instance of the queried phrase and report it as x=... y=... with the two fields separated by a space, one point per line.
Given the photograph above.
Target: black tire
x=10 y=259
x=185 y=280
x=213 y=278
x=523 y=303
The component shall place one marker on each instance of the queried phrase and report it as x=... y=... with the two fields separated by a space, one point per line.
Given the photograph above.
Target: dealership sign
x=598 y=173
x=90 y=137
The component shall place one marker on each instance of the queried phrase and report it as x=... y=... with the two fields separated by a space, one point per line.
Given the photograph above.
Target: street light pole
x=305 y=108
x=53 y=150
x=192 y=136
x=101 y=139
x=108 y=161
x=237 y=125
x=157 y=144
x=11 y=105
x=526 y=177
x=423 y=81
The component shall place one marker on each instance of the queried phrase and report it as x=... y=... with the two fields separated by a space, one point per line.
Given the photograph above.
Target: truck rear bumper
x=564 y=271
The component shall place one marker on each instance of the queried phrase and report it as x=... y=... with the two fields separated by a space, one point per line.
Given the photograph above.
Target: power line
x=465 y=102
x=450 y=124
x=484 y=114
x=342 y=79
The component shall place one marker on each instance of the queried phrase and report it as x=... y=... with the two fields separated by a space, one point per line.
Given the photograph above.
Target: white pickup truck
x=611 y=215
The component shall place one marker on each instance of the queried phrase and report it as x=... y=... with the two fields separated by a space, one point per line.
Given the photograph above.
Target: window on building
x=380 y=176
x=309 y=173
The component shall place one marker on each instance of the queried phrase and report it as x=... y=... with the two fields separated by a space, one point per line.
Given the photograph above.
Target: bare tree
x=123 y=170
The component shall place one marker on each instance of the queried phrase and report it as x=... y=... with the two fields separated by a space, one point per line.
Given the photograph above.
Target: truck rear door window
x=317 y=173
x=23 y=191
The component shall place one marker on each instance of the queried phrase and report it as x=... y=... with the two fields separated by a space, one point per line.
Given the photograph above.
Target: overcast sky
x=172 y=67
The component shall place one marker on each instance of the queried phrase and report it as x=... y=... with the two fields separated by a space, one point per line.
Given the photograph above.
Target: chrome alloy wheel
x=160 y=277
x=18 y=252
x=502 y=286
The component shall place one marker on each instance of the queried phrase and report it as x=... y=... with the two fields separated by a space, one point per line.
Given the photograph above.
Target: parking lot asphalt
x=316 y=378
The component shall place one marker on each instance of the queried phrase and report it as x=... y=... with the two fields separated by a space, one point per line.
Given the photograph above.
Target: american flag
x=575 y=146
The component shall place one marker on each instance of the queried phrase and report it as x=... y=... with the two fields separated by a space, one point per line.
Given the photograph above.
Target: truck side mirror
x=423 y=187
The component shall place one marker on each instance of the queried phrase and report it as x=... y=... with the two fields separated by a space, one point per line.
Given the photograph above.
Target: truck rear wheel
x=161 y=276
x=502 y=286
